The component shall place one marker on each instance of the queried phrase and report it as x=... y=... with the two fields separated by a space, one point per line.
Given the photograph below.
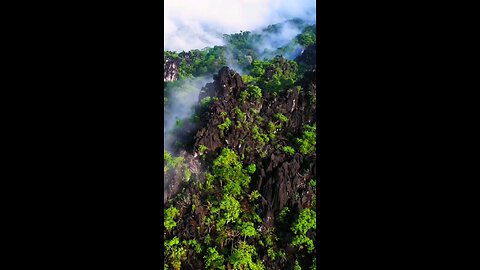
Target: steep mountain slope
x=240 y=189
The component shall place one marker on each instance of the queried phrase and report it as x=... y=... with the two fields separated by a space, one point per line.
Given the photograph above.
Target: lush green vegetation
x=308 y=37
x=233 y=227
x=224 y=126
x=169 y=218
x=289 y=150
x=275 y=75
x=240 y=48
x=308 y=141
x=218 y=215
x=306 y=220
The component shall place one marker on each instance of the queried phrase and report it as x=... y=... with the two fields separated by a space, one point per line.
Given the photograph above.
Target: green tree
x=289 y=150
x=307 y=143
x=224 y=126
x=251 y=168
x=169 y=218
x=242 y=258
x=255 y=91
x=305 y=222
x=214 y=260
x=228 y=170
x=247 y=229
x=175 y=253
x=230 y=209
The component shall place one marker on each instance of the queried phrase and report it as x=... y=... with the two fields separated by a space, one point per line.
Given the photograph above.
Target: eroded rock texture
x=281 y=179
x=171 y=68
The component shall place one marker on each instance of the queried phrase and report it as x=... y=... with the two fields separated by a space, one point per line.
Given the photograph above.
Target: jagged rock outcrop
x=226 y=85
x=170 y=70
x=281 y=179
x=267 y=120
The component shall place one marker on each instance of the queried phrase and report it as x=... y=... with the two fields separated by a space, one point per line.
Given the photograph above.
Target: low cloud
x=191 y=24
x=181 y=103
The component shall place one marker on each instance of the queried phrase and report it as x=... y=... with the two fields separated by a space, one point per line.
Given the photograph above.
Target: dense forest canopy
x=240 y=158
x=242 y=48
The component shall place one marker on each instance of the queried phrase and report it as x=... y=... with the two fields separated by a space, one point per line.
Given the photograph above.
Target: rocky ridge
x=281 y=179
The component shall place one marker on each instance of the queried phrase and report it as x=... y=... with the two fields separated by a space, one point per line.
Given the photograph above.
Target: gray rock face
x=170 y=72
x=282 y=180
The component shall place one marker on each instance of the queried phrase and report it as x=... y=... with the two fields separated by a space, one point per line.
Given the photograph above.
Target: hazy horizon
x=193 y=24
